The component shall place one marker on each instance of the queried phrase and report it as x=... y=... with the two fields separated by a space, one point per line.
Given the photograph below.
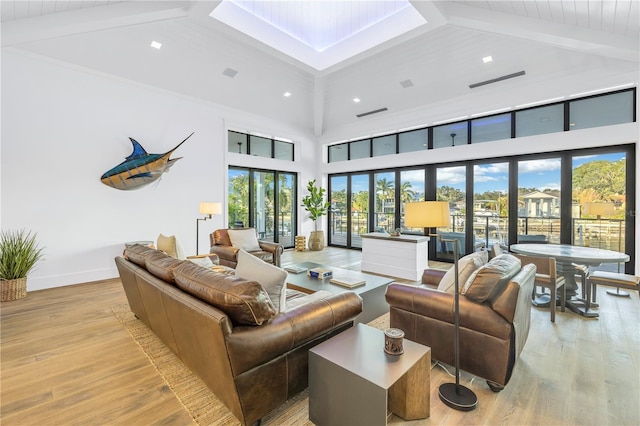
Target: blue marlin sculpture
x=139 y=168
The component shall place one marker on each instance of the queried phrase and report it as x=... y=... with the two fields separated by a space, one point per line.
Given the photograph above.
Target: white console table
x=404 y=256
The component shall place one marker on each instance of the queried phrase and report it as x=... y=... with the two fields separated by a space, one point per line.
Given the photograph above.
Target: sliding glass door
x=264 y=200
x=599 y=202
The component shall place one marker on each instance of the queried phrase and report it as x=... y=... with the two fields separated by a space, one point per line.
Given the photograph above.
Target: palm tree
x=407 y=194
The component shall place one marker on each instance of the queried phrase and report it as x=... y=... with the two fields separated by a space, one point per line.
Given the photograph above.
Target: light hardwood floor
x=66 y=359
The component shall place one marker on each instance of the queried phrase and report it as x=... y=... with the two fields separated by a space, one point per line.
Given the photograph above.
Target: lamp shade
x=427 y=214
x=211 y=208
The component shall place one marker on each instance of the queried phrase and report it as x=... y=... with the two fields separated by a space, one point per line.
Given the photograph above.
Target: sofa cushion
x=245 y=302
x=162 y=265
x=466 y=266
x=272 y=278
x=245 y=239
x=138 y=254
x=491 y=278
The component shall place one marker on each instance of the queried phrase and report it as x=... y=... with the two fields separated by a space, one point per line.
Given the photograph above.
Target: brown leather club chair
x=221 y=245
x=494 y=319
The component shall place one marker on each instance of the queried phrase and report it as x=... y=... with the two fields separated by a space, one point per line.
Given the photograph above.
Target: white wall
x=63 y=127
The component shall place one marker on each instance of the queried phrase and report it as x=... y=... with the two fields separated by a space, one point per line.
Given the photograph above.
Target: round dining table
x=566 y=256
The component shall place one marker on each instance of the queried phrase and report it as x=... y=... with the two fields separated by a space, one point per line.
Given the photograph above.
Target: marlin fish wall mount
x=140 y=168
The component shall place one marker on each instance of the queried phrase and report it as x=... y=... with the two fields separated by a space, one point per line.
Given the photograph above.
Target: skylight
x=320 y=33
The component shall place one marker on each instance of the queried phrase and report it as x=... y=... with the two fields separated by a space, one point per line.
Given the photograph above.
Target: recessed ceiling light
x=287 y=94
x=487 y=59
x=156 y=44
x=356 y=100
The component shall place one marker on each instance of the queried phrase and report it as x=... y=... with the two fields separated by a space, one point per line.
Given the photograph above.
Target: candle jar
x=393 y=341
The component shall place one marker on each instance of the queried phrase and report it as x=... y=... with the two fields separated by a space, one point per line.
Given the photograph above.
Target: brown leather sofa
x=221 y=245
x=206 y=319
x=494 y=318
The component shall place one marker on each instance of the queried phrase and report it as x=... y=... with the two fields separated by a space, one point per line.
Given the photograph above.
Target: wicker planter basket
x=13 y=289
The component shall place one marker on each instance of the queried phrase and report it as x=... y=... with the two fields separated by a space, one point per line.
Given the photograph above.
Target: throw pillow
x=466 y=266
x=205 y=262
x=245 y=239
x=491 y=278
x=272 y=278
x=169 y=245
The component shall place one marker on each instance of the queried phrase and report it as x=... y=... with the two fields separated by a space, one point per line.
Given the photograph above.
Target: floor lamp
x=208 y=209
x=434 y=214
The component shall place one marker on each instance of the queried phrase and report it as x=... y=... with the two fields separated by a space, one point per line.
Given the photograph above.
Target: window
x=260 y=146
x=599 y=199
x=415 y=140
x=360 y=149
x=537 y=121
x=491 y=205
x=338 y=153
x=580 y=197
x=384 y=145
x=264 y=200
x=241 y=143
x=453 y=134
x=491 y=128
x=237 y=142
x=283 y=150
x=539 y=199
x=338 y=213
x=411 y=191
x=601 y=110
x=451 y=187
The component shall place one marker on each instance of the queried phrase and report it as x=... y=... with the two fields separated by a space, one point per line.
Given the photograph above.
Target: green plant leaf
x=19 y=252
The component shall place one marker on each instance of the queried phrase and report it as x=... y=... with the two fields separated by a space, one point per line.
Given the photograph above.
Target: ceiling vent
x=230 y=72
x=406 y=83
x=495 y=80
x=375 y=111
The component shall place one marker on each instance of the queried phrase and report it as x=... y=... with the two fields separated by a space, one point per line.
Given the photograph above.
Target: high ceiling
x=422 y=76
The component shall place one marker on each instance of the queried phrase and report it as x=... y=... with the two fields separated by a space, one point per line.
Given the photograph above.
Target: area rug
x=203 y=406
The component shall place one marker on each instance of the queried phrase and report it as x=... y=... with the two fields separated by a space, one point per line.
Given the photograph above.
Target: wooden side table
x=353 y=381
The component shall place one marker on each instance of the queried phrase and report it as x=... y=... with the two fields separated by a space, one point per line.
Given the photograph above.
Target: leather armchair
x=221 y=245
x=492 y=332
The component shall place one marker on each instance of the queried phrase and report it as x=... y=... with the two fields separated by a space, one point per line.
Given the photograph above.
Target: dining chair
x=547 y=277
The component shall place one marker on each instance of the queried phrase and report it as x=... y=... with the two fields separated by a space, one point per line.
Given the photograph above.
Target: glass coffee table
x=372 y=292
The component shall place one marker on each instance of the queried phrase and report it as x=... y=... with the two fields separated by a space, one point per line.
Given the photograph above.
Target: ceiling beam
x=90 y=19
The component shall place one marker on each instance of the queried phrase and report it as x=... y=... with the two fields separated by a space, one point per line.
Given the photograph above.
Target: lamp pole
x=454 y=394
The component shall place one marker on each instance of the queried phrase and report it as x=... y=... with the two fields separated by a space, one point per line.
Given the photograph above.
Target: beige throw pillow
x=272 y=278
x=466 y=266
x=245 y=239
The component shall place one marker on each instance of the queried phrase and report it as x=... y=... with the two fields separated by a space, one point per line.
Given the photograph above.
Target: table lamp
x=433 y=214
x=208 y=209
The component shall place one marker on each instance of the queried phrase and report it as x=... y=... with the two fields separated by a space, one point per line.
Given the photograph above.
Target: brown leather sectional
x=209 y=320
x=494 y=318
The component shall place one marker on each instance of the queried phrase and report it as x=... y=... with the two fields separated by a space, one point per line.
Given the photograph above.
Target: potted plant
x=19 y=252
x=317 y=207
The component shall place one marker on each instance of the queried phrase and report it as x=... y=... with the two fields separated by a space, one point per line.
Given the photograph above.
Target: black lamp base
x=457 y=396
